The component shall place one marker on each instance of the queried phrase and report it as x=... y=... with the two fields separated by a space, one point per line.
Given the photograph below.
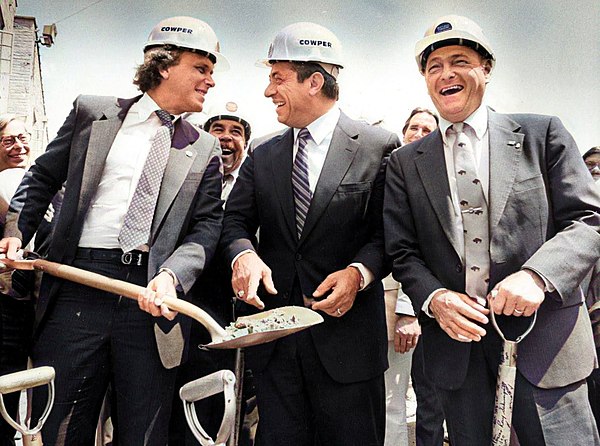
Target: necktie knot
x=303 y=136
x=166 y=119
x=457 y=127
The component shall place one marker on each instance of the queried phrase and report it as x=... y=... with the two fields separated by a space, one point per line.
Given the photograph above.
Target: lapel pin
x=188 y=153
x=514 y=144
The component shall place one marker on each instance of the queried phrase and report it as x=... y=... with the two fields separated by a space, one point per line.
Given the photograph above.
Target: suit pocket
x=528 y=184
x=353 y=188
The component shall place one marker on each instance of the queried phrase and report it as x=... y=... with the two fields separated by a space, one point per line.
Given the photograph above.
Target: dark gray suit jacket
x=187 y=218
x=543 y=215
x=343 y=225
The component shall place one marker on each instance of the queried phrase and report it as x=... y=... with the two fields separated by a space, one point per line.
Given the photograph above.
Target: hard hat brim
x=222 y=63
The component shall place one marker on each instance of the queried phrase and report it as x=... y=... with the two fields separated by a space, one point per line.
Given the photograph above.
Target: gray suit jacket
x=343 y=225
x=188 y=214
x=543 y=215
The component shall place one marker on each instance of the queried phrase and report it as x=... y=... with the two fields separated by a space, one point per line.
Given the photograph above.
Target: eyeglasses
x=11 y=140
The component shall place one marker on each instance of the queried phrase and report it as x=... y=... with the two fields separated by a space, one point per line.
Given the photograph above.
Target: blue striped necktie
x=302 y=193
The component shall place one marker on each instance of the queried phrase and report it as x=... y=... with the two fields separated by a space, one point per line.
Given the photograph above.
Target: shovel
x=27 y=379
x=505 y=387
x=220 y=339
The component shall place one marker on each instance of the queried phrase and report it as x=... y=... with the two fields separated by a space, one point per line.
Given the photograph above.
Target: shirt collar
x=323 y=126
x=478 y=121
x=144 y=109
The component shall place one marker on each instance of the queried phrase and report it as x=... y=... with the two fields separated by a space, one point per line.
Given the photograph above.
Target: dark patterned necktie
x=302 y=193
x=138 y=219
x=474 y=211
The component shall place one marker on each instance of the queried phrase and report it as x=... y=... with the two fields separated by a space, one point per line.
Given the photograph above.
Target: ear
x=315 y=83
x=487 y=70
x=164 y=73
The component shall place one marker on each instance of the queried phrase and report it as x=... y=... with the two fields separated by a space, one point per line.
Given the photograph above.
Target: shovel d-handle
x=505 y=385
x=119 y=287
x=217 y=382
x=27 y=379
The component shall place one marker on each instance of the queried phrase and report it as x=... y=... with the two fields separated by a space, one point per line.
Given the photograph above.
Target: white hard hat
x=188 y=33
x=306 y=42
x=452 y=30
x=228 y=111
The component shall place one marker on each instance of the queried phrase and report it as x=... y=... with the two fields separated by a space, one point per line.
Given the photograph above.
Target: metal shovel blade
x=304 y=317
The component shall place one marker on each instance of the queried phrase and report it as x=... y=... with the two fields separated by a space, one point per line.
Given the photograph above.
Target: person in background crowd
x=421 y=122
x=212 y=292
x=483 y=215
x=316 y=194
x=592 y=161
x=118 y=219
x=403 y=327
x=591 y=288
x=16 y=299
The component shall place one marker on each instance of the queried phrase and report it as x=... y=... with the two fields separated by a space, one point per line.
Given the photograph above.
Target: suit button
x=298 y=256
x=459 y=268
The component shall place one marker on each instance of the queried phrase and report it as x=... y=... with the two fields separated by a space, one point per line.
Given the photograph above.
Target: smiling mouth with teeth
x=226 y=151
x=451 y=90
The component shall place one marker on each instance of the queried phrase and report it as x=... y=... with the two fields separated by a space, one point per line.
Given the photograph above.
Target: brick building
x=21 y=89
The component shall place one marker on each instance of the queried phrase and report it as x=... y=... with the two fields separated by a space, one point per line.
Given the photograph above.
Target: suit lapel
x=181 y=159
x=102 y=134
x=342 y=150
x=505 y=151
x=431 y=165
x=281 y=168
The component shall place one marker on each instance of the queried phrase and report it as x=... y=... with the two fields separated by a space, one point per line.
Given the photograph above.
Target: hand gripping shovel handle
x=118 y=287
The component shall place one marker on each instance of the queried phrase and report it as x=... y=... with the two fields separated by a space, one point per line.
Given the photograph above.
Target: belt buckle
x=126 y=258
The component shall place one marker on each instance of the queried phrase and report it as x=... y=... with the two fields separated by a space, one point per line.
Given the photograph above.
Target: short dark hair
x=592 y=151
x=416 y=111
x=304 y=70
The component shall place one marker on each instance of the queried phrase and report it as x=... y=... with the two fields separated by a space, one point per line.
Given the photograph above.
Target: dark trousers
x=16 y=320
x=301 y=405
x=92 y=338
x=429 y=429
x=540 y=416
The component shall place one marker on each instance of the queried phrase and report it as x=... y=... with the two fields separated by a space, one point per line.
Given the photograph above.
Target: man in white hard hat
x=142 y=204
x=233 y=132
x=315 y=192
x=212 y=292
x=495 y=212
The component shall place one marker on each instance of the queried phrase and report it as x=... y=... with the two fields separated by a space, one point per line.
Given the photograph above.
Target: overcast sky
x=548 y=53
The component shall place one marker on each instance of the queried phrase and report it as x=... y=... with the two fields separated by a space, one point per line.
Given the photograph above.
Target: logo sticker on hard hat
x=442 y=27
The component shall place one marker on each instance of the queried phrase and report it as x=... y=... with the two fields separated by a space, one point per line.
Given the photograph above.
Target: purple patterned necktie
x=138 y=219
x=302 y=193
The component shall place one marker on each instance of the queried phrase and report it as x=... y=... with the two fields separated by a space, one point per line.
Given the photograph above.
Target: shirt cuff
x=367 y=276
x=403 y=304
x=245 y=251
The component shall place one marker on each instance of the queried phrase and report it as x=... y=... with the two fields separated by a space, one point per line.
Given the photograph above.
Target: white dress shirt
x=122 y=171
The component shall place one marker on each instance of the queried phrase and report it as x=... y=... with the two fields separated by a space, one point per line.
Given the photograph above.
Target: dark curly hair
x=156 y=59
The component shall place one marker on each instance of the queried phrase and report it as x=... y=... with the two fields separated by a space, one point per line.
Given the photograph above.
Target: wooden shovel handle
x=26 y=379
x=129 y=290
